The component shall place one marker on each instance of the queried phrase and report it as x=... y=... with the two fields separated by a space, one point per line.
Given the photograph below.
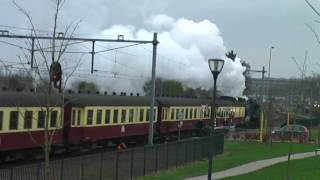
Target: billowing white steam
x=185 y=46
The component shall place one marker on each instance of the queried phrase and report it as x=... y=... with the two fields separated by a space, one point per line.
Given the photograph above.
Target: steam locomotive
x=88 y=119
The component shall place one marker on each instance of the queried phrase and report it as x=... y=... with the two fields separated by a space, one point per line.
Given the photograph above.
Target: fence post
x=194 y=150
x=156 y=158
x=167 y=158
x=117 y=165
x=61 y=169
x=38 y=171
x=144 y=161
x=11 y=173
x=131 y=164
x=186 y=153
x=101 y=165
x=201 y=148
x=177 y=146
x=82 y=168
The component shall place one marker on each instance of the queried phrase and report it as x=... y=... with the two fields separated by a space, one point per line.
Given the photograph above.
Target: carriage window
x=79 y=117
x=107 y=117
x=166 y=114
x=195 y=113
x=187 y=113
x=53 y=119
x=147 y=115
x=115 y=116
x=123 y=116
x=41 y=118
x=202 y=113
x=1 y=119
x=99 y=116
x=162 y=114
x=131 y=115
x=141 y=115
x=28 y=120
x=177 y=112
x=13 y=120
x=172 y=114
x=89 y=117
x=191 y=113
x=73 y=117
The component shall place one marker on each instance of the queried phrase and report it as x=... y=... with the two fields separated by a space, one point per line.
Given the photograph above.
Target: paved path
x=253 y=166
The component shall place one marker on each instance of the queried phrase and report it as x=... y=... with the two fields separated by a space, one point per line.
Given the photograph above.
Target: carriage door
x=66 y=123
x=159 y=117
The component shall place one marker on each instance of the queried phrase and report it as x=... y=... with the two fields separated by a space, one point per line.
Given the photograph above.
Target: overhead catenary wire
x=11 y=44
x=48 y=31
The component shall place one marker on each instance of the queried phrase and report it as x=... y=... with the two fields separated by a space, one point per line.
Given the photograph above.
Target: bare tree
x=46 y=67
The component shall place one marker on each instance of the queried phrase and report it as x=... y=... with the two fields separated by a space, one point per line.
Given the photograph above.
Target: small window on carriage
x=147 y=115
x=99 y=116
x=14 y=117
x=165 y=114
x=187 y=113
x=191 y=113
x=123 y=116
x=115 y=116
x=1 y=119
x=172 y=114
x=162 y=114
x=89 y=117
x=107 y=117
x=73 y=122
x=53 y=118
x=177 y=113
x=141 y=115
x=41 y=119
x=195 y=113
x=79 y=117
x=28 y=119
x=131 y=115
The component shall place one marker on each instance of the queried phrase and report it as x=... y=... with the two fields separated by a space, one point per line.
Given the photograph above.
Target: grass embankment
x=235 y=153
x=308 y=169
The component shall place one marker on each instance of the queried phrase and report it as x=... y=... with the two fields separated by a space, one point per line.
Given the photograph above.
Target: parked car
x=292 y=129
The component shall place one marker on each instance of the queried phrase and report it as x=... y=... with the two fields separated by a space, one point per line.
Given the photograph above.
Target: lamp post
x=215 y=66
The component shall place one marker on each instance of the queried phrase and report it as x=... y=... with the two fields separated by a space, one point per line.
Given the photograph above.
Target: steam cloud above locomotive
x=184 y=48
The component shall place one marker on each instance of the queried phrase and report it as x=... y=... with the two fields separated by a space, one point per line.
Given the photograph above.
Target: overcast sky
x=249 y=27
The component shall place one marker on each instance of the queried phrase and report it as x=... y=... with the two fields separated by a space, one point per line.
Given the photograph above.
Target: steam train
x=86 y=119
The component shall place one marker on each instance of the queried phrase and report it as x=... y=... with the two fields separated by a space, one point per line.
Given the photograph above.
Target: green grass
x=235 y=153
x=308 y=169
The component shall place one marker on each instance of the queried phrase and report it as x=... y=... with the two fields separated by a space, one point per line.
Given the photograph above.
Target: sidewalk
x=253 y=166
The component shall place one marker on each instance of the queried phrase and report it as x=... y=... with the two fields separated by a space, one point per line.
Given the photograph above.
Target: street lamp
x=215 y=66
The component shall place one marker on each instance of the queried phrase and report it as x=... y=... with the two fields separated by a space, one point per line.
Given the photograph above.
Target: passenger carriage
x=86 y=119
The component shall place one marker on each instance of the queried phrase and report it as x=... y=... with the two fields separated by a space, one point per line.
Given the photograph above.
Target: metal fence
x=126 y=165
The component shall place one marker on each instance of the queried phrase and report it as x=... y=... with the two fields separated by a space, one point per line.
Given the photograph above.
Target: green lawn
x=308 y=169
x=235 y=153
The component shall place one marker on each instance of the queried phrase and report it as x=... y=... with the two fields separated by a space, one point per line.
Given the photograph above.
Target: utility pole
x=151 y=114
x=263 y=71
